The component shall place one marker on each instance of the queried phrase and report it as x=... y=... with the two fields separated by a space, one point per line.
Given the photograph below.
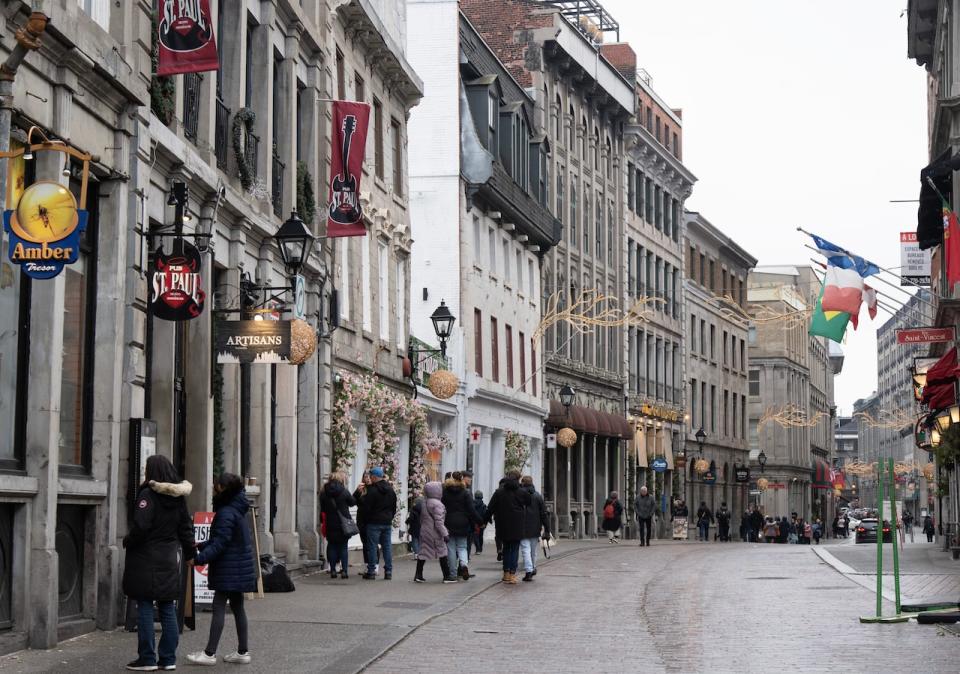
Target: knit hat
x=376 y=472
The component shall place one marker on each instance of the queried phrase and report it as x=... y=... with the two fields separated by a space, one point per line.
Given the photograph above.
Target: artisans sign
x=253 y=341
x=925 y=335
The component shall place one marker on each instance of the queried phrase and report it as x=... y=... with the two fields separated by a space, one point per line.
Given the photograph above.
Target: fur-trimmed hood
x=456 y=485
x=174 y=489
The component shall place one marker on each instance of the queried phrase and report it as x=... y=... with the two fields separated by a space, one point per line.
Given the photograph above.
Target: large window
x=522 y=344
x=754 y=382
x=478 y=342
x=99 y=11
x=494 y=350
x=378 y=137
x=396 y=139
x=508 y=333
x=383 y=271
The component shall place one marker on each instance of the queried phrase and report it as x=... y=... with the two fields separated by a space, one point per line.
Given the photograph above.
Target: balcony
x=221 y=134
x=251 y=149
x=191 y=104
x=277 y=187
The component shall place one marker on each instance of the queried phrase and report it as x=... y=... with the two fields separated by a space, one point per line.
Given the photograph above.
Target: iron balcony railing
x=277 y=192
x=191 y=104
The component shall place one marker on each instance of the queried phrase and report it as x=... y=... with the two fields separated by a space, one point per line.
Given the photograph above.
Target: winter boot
x=418 y=578
x=528 y=576
x=464 y=573
x=513 y=578
x=445 y=569
x=506 y=577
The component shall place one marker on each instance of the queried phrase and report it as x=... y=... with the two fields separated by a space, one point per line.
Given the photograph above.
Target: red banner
x=925 y=335
x=348 y=141
x=185 y=37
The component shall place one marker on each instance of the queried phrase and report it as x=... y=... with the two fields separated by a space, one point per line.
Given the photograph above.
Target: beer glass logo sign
x=44 y=230
x=185 y=25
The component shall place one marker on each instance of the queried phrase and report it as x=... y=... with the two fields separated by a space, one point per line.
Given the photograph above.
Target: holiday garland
x=243 y=120
x=516 y=451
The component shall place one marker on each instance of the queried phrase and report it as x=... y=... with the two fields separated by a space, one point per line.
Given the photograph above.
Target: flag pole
x=892 y=273
x=883 y=280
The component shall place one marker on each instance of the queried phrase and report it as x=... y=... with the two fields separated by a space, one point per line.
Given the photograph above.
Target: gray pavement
x=596 y=607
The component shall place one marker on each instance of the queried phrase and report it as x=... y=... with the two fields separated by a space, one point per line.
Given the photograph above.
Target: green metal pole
x=893 y=530
x=880 y=470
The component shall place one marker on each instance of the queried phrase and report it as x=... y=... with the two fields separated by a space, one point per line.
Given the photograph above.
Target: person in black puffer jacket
x=536 y=522
x=230 y=573
x=460 y=520
x=481 y=509
x=335 y=502
x=159 y=543
x=379 y=503
x=507 y=506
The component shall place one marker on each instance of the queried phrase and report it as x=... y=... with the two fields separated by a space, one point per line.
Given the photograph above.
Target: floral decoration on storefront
x=385 y=410
x=516 y=451
x=429 y=450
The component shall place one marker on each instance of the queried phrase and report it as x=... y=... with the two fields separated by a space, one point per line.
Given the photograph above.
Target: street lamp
x=947 y=418
x=762 y=460
x=566 y=396
x=295 y=241
x=701 y=436
x=443 y=322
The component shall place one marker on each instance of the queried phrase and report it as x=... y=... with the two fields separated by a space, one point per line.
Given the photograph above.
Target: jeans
x=528 y=549
x=645 y=526
x=337 y=552
x=478 y=541
x=457 y=551
x=511 y=553
x=415 y=545
x=704 y=528
x=219 y=613
x=379 y=534
x=169 y=638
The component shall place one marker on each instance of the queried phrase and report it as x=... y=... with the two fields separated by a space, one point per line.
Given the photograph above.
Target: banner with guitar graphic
x=348 y=140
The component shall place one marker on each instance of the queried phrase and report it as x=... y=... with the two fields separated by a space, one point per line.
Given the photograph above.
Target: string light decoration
x=566 y=437
x=443 y=384
x=790 y=416
x=760 y=314
x=887 y=419
x=860 y=468
x=592 y=310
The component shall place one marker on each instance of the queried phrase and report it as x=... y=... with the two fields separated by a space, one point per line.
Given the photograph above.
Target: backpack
x=609 y=512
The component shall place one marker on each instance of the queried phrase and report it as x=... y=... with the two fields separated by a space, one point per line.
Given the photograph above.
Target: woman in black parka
x=230 y=573
x=158 y=545
x=336 y=501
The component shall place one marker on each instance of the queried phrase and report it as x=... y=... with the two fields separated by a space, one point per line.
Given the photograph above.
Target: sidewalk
x=325 y=626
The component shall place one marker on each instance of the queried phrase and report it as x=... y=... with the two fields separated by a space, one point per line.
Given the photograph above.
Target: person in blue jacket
x=229 y=555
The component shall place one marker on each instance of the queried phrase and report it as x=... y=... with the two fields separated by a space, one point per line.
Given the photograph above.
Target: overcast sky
x=794 y=113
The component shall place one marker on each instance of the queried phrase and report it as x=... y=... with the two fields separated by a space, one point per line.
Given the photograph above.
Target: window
x=631 y=188
x=712 y=279
x=743 y=360
x=598 y=233
x=493 y=119
x=726 y=413
x=492 y=244
x=494 y=350
x=658 y=201
x=725 y=339
x=397 y=140
x=693 y=333
x=657 y=133
x=341 y=77
x=383 y=271
x=378 y=137
x=586 y=222
x=345 y=278
x=533 y=367
x=401 y=307
x=609 y=159
x=508 y=333
x=649 y=118
x=573 y=211
x=649 y=199
x=560 y=183
x=612 y=246
x=638 y=183
x=694 y=390
x=531 y=280
x=99 y=11
x=477 y=240
x=676 y=293
x=703 y=337
x=572 y=131
x=478 y=342
x=367 y=310
x=596 y=149
x=506 y=261
x=584 y=141
x=358 y=87
x=713 y=343
x=522 y=345
x=676 y=145
x=753 y=380
x=555 y=118
x=519 y=259
x=713 y=408
x=248 y=84
x=703 y=268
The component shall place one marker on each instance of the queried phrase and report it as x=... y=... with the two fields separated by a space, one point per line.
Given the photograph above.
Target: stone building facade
x=868 y=446
x=582 y=101
x=717 y=363
x=486 y=263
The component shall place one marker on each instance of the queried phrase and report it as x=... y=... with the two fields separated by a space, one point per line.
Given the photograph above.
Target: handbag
x=348 y=526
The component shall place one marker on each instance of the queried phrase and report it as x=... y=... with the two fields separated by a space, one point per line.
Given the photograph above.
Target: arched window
x=596 y=149
x=558 y=107
x=572 y=131
x=573 y=210
x=599 y=228
x=587 y=215
x=584 y=139
x=609 y=159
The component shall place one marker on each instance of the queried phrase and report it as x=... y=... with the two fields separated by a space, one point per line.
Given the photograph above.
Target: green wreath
x=243 y=120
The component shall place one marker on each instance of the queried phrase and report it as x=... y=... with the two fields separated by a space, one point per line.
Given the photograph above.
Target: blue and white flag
x=839 y=257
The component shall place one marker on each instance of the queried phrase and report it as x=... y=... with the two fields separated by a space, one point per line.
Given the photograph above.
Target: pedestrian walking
x=536 y=525
x=468 y=485
x=756 y=524
x=745 y=526
x=413 y=524
x=358 y=494
x=928 y=528
x=506 y=508
x=433 y=533
x=786 y=531
x=645 y=507
x=836 y=526
x=771 y=531
x=481 y=509
x=845 y=525
x=612 y=517
x=229 y=554
x=704 y=520
x=335 y=504
x=908 y=523
x=460 y=520
x=159 y=544
x=817 y=531
x=380 y=506
x=723 y=522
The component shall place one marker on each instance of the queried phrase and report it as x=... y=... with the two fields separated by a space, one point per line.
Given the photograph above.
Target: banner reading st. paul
x=185 y=39
x=348 y=140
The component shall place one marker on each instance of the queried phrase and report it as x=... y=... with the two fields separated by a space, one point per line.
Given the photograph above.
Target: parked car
x=866 y=531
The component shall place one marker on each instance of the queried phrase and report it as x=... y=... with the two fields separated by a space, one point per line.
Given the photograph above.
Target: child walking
x=230 y=556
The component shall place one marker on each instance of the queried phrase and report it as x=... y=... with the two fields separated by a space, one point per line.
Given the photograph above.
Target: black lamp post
x=701 y=436
x=762 y=460
x=443 y=322
x=566 y=397
x=295 y=241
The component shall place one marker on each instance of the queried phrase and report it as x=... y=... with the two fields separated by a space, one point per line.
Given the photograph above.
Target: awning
x=640 y=447
x=821 y=475
x=584 y=419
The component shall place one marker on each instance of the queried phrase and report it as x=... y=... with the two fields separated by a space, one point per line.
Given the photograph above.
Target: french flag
x=842 y=290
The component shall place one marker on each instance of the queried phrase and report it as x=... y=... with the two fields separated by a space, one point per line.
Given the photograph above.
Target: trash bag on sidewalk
x=275 y=575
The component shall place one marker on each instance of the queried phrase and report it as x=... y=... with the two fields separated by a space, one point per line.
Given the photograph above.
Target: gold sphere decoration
x=763 y=483
x=303 y=341
x=443 y=384
x=928 y=472
x=566 y=437
x=701 y=466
